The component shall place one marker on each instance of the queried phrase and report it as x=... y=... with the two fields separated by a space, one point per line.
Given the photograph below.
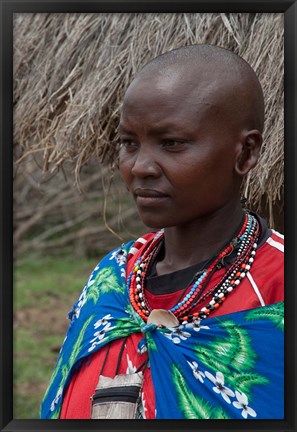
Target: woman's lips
x=149 y=197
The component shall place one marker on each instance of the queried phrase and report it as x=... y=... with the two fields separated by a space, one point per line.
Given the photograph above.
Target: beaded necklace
x=246 y=242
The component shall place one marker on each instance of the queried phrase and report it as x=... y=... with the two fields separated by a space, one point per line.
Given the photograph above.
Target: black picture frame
x=8 y=8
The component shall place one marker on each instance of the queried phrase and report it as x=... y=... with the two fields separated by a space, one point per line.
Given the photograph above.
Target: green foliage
x=192 y=406
x=93 y=293
x=244 y=381
x=205 y=355
x=108 y=281
x=233 y=356
x=233 y=349
x=55 y=415
x=275 y=313
x=126 y=324
x=134 y=315
x=77 y=346
x=151 y=344
x=236 y=348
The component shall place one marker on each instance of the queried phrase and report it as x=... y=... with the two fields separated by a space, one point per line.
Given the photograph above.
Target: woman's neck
x=199 y=240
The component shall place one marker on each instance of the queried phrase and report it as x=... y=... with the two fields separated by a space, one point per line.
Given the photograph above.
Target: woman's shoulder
x=127 y=252
x=273 y=245
x=138 y=247
x=277 y=240
x=140 y=243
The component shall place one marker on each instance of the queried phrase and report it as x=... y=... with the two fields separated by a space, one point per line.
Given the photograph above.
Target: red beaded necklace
x=245 y=241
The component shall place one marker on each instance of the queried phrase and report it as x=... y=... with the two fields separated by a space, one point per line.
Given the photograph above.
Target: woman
x=145 y=340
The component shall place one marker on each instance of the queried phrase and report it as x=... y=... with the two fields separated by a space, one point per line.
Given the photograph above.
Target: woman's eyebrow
x=123 y=129
x=156 y=130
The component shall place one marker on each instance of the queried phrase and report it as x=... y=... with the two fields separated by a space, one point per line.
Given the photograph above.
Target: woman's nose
x=145 y=164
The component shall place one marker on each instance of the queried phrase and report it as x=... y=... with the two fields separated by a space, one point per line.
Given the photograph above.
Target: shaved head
x=191 y=127
x=225 y=82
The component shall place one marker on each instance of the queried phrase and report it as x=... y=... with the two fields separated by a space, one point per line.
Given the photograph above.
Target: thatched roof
x=71 y=71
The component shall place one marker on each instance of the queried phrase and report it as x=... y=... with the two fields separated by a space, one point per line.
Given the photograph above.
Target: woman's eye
x=173 y=144
x=128 y=145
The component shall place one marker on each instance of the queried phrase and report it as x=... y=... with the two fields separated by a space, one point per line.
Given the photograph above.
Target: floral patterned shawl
x=226 y=367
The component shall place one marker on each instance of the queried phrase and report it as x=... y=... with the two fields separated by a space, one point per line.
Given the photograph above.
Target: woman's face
x=177 y=151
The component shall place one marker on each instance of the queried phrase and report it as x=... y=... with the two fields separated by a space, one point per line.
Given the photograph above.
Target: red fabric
x=265 y=285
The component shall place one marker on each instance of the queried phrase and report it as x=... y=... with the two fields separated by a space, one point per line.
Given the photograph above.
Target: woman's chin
x=155 y=223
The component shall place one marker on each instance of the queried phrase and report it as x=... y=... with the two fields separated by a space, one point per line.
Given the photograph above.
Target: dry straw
x=71 y=71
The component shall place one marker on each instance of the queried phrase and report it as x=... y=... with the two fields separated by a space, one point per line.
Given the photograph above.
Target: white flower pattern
x=103 y=321
x=195 y=325
x=100 y=335
x=220 y=388
x=57 y=398
x=242 y=403
x=96 y=268
x=197 y=374
x=81 y=301
x=120 y=256
x=177 y=334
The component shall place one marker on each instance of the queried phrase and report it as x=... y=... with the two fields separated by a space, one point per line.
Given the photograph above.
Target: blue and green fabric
x=226 y=367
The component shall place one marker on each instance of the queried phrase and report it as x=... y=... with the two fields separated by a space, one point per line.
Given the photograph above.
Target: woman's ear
x=250 y=150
